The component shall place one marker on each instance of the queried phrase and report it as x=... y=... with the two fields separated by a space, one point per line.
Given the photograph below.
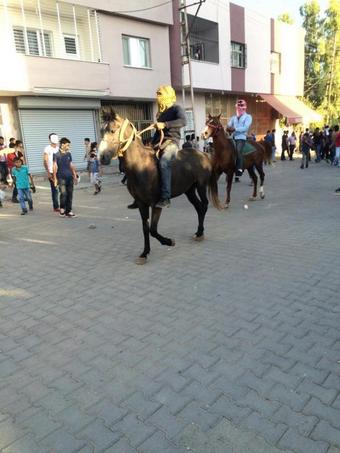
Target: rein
x=126 y=142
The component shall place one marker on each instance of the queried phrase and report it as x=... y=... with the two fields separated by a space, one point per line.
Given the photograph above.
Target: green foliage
x=286 y=18
x=322 y=58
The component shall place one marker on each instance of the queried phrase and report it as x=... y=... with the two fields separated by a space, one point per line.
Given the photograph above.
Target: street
x=227 y=345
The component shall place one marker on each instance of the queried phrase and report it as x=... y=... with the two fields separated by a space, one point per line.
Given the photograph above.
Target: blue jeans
x=239 y=158
x=25 y=194
x=169 y=154
x=54 y=193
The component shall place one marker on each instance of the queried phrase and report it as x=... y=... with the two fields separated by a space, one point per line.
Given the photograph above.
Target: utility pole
x=186 y=61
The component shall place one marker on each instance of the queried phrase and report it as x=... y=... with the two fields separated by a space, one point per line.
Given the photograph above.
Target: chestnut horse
x=224 y=157
x=191 y=174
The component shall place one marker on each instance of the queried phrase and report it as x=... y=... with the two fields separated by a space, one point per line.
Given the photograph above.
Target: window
x=136 y=52
x=275 y=63
x=238 y=55
x=71 y=48
x=36 y=43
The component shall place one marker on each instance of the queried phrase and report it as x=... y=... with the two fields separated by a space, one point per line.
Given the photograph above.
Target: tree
x=331 y=102
x=314 y=49
x=286 y=18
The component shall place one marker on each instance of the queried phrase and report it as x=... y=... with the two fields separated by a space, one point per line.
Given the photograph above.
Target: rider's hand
x=160 y=126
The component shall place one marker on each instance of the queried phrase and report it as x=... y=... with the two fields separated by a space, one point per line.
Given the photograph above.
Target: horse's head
x=212 y=127
x=110 y=143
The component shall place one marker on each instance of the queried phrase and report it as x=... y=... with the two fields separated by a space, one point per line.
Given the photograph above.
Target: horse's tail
x=213 y=191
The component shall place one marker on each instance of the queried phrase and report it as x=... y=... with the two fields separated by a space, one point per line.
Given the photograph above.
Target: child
x=22 y=177
x=94 y=169
x=65 y=176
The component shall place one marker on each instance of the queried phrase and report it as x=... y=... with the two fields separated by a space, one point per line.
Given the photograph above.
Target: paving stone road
x=229 y=345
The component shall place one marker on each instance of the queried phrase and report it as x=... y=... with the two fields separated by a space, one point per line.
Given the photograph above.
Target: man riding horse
x=170 y=120
x=239 y=125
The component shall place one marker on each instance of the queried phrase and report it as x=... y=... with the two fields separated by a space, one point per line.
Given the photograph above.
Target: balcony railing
x=51 y=29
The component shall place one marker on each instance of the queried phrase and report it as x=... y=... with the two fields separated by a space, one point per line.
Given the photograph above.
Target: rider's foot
x=239 y=172
x=163 y=204
x=133 y=205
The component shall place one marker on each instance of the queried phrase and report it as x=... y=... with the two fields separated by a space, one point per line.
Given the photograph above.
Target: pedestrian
x=306 y=144
x=274 y=145
x=64 y=174
x=16 y=152
x=49 y=152
x=12 y=140
x=94 y=169
x=292 y=145
x=284 y=145
x=188 y=142
x=87 y=146
x=21 y=178
x=3 y=162
x=317 y=143
x=239 y=125
x=336 y=138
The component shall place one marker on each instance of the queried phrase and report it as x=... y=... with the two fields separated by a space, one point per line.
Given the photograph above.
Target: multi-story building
x=236 y=52
x=62 y=63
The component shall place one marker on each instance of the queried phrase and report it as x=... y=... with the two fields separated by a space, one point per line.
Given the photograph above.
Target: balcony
x=203 y=40
x=50 y=46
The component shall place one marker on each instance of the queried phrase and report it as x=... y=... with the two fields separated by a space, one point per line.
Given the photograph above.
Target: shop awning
x=291 y=107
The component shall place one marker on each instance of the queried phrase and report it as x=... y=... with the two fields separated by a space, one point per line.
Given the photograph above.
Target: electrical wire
x=144 y=9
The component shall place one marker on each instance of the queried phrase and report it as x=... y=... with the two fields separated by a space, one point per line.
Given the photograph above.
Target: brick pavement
x=229 y=345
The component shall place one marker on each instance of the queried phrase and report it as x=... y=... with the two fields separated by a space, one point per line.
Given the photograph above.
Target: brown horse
x=225 y=155
x=191 y=174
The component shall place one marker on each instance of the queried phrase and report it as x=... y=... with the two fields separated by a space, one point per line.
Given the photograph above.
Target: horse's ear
x=209 y=116
x=219 y=116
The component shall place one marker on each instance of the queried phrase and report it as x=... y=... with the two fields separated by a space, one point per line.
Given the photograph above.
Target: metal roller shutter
x=36 y=125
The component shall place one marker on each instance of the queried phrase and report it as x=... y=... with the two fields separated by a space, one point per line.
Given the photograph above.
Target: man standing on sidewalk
x=49 y=151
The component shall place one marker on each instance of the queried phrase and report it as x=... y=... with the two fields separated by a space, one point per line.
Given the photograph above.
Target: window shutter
x=70 y=45
x=19 y=40
x=33 y=45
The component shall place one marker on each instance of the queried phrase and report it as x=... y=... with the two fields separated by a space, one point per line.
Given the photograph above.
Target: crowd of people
x=60 y=171
x=62 y=175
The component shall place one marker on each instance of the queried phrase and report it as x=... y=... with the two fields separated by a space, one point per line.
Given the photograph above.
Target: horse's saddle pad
x=247 y=149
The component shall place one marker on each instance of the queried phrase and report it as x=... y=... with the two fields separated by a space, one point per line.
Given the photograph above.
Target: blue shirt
x=21 y=177
x=241 y=125
x=63 y=161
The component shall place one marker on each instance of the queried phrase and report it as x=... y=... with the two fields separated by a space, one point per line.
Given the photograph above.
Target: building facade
x=67 y=62
x=240 y=53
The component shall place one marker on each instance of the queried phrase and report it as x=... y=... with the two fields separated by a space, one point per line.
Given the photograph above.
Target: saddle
x=247 y=149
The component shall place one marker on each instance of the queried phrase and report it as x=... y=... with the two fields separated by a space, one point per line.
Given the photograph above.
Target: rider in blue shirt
x=239 y=125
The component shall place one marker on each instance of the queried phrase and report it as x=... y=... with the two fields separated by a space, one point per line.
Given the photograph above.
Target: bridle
x=216 y=128
x=124 y=142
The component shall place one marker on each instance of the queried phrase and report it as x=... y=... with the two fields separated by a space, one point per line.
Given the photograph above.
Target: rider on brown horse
x=170 y=119
x=239 y=125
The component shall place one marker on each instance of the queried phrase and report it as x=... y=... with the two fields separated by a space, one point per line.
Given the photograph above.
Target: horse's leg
x=259 y=168
x=144 y=212
x=230 y=176
x=155 y=215
x=200 y=209
x=252 y=174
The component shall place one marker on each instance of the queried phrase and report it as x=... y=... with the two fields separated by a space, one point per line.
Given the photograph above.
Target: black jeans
x=54 y=193
x=239 y=156
x=3 y=172
x=66 y=193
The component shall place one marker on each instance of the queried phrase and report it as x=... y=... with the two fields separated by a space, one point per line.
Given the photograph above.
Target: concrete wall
x=153 y=11
x=257 y=38
x=128 y=82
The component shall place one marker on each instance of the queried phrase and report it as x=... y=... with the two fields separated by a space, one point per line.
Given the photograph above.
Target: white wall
x=289 y=40
x=257 y=32
x=211 y=75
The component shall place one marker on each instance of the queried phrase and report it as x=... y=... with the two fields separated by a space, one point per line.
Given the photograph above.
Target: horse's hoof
x=173 y=243
x=198 y=238
x=140 y=260
x=226 y=205
x=262 y=196
x=252 y=198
